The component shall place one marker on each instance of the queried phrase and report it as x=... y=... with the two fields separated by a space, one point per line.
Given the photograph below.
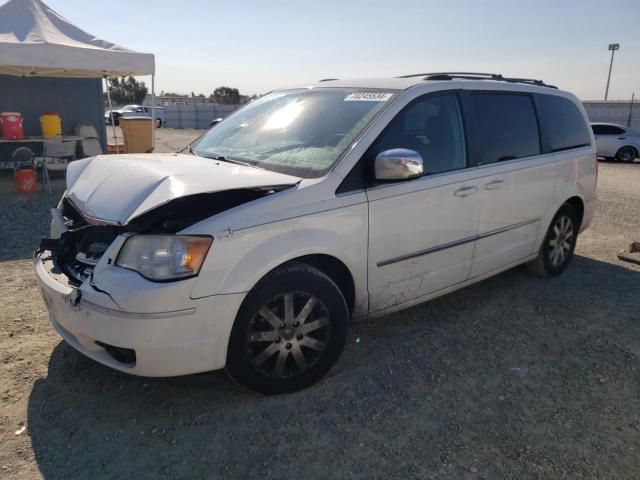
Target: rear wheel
x=627 y=154
x=558 y=245
x=289 y=332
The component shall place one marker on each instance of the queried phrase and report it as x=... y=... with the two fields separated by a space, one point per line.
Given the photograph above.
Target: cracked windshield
x=299 y=132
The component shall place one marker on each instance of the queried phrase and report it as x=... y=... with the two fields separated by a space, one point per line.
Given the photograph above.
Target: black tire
x=260 y=341
x=626 y=154
x=549 y=262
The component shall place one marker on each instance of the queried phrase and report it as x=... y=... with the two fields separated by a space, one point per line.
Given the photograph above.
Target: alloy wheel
x=288 y=335
x=560 y=241
x=626 y=154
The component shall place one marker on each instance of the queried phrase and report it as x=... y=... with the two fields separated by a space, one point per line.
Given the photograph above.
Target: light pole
x=613 y=47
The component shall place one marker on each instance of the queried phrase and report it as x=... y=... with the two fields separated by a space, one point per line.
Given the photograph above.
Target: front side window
x=563 y=124
x=431 y=126
x=505 y=127
x=301 y=132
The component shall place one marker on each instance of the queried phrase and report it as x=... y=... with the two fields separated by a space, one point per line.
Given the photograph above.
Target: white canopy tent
x=37 y=41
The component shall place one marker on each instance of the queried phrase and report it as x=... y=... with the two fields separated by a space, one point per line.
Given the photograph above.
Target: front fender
x=238 y=260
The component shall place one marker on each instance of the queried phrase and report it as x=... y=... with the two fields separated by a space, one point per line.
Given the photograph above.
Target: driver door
x=422 y=231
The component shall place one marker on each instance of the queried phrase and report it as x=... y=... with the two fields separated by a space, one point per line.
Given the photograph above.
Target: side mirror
x=214 y=122
x=398 y=164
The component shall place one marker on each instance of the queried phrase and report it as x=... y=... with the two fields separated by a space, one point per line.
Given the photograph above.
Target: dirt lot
x=515 y=377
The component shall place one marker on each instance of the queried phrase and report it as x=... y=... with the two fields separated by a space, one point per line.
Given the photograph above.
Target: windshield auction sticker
x=368 y=97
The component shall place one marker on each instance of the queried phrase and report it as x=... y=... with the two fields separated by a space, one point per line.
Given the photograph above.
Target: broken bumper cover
x=166 y=344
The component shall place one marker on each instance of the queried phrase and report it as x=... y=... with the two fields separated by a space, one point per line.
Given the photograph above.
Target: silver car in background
x=616 y=142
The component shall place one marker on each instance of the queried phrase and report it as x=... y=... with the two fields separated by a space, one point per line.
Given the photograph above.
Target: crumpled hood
x=118 y=188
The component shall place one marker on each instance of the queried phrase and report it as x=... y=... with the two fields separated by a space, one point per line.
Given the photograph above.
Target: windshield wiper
x=189 y=150
x=222 y=158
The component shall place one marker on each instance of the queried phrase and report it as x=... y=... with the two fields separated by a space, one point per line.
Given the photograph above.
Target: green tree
x=226 y=95
x=127 y=90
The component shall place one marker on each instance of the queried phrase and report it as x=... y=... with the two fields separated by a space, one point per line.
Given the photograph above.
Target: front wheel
x=626 y=154
x=289 y=332
x=558 y=244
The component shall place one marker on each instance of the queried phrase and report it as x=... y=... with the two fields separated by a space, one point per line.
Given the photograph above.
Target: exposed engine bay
x=83 y=244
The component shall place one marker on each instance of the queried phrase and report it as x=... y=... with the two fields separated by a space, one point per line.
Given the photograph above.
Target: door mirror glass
x=398 y=164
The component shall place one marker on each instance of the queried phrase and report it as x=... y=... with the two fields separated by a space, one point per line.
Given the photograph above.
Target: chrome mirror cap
x=398 y=164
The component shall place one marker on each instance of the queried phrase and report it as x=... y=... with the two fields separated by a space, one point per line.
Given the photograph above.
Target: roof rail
x=327 y=79
x=478 y=76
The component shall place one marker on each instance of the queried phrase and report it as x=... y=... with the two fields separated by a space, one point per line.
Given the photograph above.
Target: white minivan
x=309 y=207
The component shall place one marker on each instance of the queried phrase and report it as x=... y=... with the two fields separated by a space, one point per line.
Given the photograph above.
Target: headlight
x=164 y=257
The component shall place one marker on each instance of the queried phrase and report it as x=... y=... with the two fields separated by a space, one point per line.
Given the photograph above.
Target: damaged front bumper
x=139 y=341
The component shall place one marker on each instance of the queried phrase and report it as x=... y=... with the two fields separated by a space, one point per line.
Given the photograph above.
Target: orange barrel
x=11 y=123
x=51 y=124
x=26 y=180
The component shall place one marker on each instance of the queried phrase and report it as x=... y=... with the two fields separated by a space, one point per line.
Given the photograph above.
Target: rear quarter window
x=563 y=126
x=606 y=130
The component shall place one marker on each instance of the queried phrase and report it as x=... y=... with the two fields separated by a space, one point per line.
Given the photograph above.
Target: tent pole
x=153 y=113
x=113 y=124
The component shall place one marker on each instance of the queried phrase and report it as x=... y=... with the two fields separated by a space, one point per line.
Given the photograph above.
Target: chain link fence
x=195 y=116
x=614 y=112
x=200 y=115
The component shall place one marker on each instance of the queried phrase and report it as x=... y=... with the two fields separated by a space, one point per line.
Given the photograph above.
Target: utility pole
x=613 y=47
x=633 y=94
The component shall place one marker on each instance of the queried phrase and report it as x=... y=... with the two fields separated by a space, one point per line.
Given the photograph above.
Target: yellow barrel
x=51 y=125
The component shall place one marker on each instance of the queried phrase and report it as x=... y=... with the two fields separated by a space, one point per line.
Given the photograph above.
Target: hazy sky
x=260 y=45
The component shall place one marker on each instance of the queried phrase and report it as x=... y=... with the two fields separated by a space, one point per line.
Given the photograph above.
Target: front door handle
x=494 y=185
x=465 y=191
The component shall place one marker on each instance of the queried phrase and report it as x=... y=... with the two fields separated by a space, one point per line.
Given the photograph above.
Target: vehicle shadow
x=488 y=374
x=615 y=161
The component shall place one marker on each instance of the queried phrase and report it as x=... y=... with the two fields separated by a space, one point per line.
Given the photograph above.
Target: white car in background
x=134 y=111
x=616 y=141
x=306 y=208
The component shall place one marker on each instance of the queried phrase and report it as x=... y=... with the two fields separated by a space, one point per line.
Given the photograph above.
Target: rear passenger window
x=431 y=126
x=505 y=126
x=562 y=123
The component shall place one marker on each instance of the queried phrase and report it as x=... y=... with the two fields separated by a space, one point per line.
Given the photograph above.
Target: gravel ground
x=167 y=139
x=515 y=377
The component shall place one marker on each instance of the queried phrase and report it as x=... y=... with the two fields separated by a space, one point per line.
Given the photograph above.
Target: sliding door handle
x=465 y=191
x=494 y=185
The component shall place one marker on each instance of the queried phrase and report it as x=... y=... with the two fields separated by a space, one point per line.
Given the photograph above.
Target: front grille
x=76 y=271
x=80 y=250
